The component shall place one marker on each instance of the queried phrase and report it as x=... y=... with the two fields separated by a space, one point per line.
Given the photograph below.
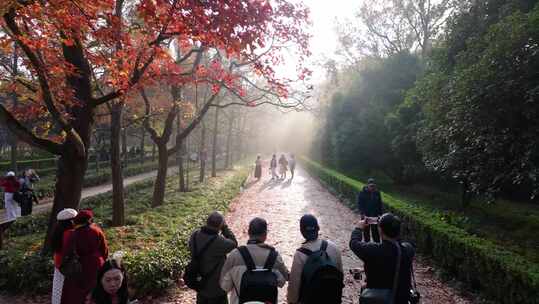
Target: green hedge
x=501 y=275
x=155 y=239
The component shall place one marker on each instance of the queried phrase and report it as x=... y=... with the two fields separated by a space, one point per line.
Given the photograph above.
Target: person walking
x=87 y=241
x=292 y=164
x=370 y=206
x=11 y=185
x=258 y=168
x=283 y=166
x=254 y=271
x=211 y=248
x=317 y=274
x=383 y=268
x=64 y=222
x=273 y=167
x=28 y=197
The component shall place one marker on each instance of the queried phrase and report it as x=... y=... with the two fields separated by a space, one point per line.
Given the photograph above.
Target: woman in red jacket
x=91 y=247
x=10 y=185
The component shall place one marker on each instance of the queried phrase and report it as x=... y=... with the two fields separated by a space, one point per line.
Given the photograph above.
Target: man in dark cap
x=259 y=251
x=380 y=259
x=211 y=244
x=309 y=228
x=370 y=207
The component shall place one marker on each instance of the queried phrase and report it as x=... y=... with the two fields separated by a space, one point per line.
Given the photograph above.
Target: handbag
x=379 y=295
x=71 y=267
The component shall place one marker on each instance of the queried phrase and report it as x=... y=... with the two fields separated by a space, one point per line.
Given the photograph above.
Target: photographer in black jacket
x=380 y=259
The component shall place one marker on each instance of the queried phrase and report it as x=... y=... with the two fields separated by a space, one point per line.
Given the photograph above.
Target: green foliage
x=155 y=239
x=502 y=275
x=480 y=100
x=356 y=135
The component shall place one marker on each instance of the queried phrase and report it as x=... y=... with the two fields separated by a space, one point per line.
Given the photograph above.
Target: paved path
x=46 y=204
x=282 y=204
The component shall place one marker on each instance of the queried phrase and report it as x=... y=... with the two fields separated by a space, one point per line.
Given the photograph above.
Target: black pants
x=219 y=300
x=375 y=235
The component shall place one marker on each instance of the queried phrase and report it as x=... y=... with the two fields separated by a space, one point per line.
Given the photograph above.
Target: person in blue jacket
x=369 y=204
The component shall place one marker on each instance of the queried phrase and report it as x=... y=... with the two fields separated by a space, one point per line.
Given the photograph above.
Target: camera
x=415 y=297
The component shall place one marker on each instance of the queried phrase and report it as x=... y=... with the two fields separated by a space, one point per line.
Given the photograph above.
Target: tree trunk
x=180 y=155
x=118 y=216
x=68 y=188
x=214 y=144
x=161 y=179
x=202 y=153
x=465 y=195
x=153 y=152
x=13 y=152
x=228 y=159
x=125 y=155
x=142 y=151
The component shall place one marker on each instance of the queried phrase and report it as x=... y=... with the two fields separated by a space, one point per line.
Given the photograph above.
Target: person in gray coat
x=213 y=259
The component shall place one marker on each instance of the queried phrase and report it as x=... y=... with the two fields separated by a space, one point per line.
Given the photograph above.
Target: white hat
x=10 y=173
x=66 y=214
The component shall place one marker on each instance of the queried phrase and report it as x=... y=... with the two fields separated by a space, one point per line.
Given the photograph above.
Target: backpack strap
x=324 y=245
x=397 y=271
x=206 y=246
x=247 y=257
x=272 y=258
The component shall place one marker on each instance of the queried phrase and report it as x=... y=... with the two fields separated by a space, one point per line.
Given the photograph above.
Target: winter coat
x=234 y=268
x=369 y=203
x=214 y=257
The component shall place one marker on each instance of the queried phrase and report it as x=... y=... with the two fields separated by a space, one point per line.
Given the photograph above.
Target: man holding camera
x=369 y=204
x=383 y=268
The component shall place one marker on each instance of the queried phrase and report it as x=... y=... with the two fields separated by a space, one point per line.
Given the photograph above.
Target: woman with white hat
x=64 y=223
x=10 y=185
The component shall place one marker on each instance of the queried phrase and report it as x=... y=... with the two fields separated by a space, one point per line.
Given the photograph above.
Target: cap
x=66 y=214
x=10 y=173
x=308 y=224
x=85 y=214
x=370 y=181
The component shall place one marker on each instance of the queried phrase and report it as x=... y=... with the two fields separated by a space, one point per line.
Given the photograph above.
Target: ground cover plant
x=154 y=239
x=483 y=265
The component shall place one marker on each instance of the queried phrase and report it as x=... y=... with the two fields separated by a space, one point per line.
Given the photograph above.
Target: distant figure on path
x=258 y=168
x=111 y=284
x=255 y=270
x=283 y=166
x=369 y=203
x=380 y=260
x=273 y=167
x=27 y=180
x=292 y=164
x=64 y=223
x=317 y=274
x=10 y=185
x=89 y=243
x=210 y=244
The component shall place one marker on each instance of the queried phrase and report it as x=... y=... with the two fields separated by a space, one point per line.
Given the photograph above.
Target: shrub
x=502 y=275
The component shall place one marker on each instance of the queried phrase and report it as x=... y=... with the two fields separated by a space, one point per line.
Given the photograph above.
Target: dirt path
x=282 y=204
x=46 y=204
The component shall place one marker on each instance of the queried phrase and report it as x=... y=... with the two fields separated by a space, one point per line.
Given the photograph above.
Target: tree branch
x=26 y=135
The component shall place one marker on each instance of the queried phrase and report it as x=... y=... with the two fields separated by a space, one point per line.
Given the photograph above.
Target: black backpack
x=258 y=284
x=321 y=280
x=192 y=276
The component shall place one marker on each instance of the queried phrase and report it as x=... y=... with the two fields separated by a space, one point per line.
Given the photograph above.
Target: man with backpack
x=208 y=254
x=387 y=265
x=316 y=275
x=252 y=273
